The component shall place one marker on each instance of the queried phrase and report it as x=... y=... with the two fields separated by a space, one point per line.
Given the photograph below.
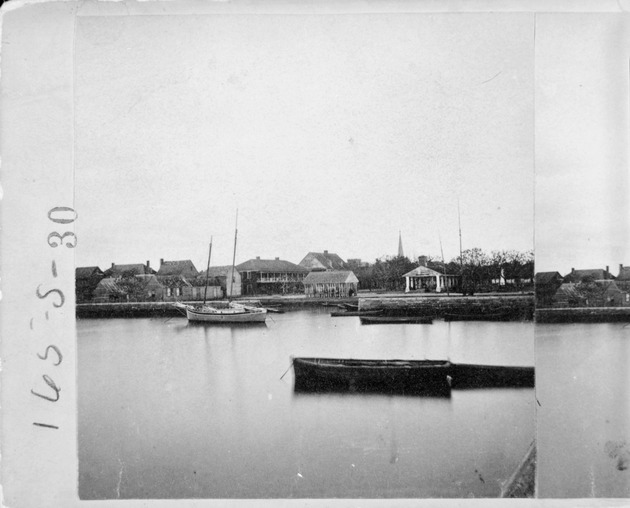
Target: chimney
x=148 y=264
x=422 y=260
x=112 y=265
x=325 y=253
x=572 y=270
x=161 y=261
x=607 y=273
x=620 y=267
x=257 y=257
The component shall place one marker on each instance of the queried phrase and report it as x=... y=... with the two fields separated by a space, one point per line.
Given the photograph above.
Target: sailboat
x=222 y=312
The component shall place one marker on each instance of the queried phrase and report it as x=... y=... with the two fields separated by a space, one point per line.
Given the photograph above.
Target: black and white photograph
x=320 y=252
x=307 y=253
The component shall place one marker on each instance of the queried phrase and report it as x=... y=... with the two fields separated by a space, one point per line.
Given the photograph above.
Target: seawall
x=167 y=309
x=583 y=315
x=516 y=306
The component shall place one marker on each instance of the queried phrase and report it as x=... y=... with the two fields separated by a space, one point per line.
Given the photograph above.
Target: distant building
x=149 y=288
x=591 y=273
x=320 y=261
x=426 y=279
x=271 y=276
x=86 y=280
x=108 y=290
x=357 y=263
x=623 y=278
x=331 y=284
x=132 y=269
x=546 y=286
x=184 y=268
x=599 y=293
x=229 y=281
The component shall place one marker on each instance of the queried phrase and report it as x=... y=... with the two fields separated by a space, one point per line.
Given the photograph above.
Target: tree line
x=479 y=271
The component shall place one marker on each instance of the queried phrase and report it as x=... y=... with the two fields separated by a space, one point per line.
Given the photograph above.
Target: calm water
x=172 y=410
x=583 y=420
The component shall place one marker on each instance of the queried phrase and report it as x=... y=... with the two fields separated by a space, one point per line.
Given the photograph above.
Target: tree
x=131 y=286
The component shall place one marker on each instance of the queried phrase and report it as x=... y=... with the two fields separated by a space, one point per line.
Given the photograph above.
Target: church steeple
x=400 y=248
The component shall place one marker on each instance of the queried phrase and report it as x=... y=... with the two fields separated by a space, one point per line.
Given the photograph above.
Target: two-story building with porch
x=271 y=277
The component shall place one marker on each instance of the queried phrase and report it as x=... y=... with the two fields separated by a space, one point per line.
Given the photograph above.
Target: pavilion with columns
x=426 y=279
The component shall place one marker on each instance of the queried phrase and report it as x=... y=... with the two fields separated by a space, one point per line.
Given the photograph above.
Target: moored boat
x=419 y=377
x=223 y=312
x=465 y=375
x=373 y=320
x=232 y=313
x=346 y=313
x=498 y=316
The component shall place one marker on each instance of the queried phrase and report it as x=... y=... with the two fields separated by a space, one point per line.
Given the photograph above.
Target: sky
x=326 y=132
x=582 y=180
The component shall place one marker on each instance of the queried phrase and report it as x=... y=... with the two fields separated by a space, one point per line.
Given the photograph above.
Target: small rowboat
x=414 y=377
x=379 y=320
x=465 y=375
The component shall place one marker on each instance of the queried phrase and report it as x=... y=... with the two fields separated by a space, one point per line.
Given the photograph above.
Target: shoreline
x=409 y=303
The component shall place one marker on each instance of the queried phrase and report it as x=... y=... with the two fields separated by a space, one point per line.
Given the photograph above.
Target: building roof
x=570 y=288
x=322 y=261
x=149 y=280
x=173 y=281
x=424 y=271
x=547 y=277
x=109 y=285
x=218 y=271
x=595 y=273
x=624 y=273
x=183 y=267
x=331 y=277
x=85 y=272
x=135 y=269
x=270 y=266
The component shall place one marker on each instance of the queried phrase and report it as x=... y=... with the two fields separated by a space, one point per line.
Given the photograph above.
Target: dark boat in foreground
x=465 y=375
x=347 y=313
x=379 y=320
x=413 y=377
x=430 y=377
x=499 y=316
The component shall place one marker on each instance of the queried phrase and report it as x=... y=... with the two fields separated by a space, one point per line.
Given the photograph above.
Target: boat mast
x=205 y=290
x=461 y=257
x=443 y=265
x=233 y=256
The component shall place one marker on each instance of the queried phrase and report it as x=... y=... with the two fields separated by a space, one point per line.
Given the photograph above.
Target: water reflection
x=202 y=412
x=584 y=413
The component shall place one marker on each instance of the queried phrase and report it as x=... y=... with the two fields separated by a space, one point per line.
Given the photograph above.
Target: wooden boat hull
x=478 y=317
x=419 y=377
x=380 y=320
x=491 y=376
x=252 y=315
x=348 y=313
